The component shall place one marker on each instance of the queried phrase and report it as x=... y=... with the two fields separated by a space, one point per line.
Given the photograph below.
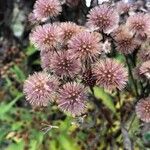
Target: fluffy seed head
x=145 y=69
x=125 y=41
x=46 y=36
x=143 y=109
x=139 y=23
x=47 y=8
x=110 y=74
x=123 y=7
x=46 y=56
x=85 y=45
x=72 y=98
x=63 y=64
x=69 y=29
x=103 y=17
x=39 y=89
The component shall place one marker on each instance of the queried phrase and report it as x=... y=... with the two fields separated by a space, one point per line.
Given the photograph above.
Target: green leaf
x=65 y=125
x=8 y=82
x=16 y=146
x=31 y=50
x=3 y=132
x=66 y=143
x=20 y=76
x=120 y=58
x=36 y=139
x=105 y=97
x=33 y=144
x=5 y=108
x=53 y=145
x=17 y=125
x=36 y=62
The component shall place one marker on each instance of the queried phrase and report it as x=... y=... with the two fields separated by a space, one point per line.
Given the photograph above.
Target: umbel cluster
x=77 y=58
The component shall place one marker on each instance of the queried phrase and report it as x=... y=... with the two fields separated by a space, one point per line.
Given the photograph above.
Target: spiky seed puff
x=143 y=109
x=46 y=36
x=123 y=7
x=72 y=98
x=46 y=57
x=125 y=42
x=104 y=17
x=39 y=88
x=85 y=45
x=69 y=29
x=110 y=74
x=139 y=23
x=46 y=8
x=63 y=64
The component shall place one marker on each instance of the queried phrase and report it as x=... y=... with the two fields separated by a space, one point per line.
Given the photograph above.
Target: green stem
x=132 y=78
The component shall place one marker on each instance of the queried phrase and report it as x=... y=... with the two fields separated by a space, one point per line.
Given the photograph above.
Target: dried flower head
x=144 y=69
x=139 y=23
x=72 y=98
x=39 y=89
x=85 y=45
x=46 y=56
x=143 y=109
x=63 y=64
x=125 y=41
x=69 y=29
x=104 y=17
x=110 y=74
x=123 y=7
x=46 y=36
x=47 y=8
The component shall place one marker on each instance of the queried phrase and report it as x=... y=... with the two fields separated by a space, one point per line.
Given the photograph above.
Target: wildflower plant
x=81 y=60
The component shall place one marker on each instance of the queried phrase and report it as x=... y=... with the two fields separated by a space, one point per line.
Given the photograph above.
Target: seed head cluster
x=79 y=55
